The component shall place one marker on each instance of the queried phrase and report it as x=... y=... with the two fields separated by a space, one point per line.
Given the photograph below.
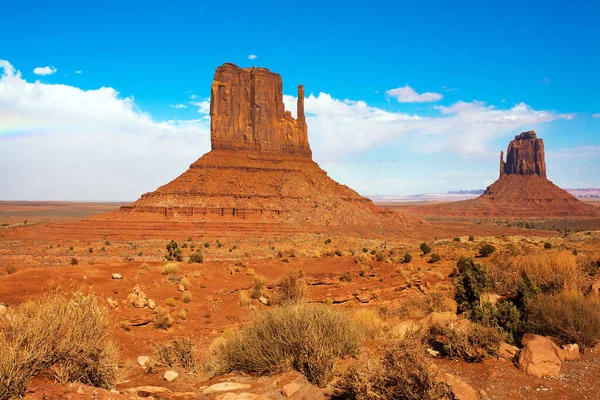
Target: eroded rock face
x=525 y=156
x=247 y=113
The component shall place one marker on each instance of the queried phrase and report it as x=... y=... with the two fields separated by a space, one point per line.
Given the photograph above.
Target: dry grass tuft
x=468 y=341
x=258 y=289
x=309 y=338
x=245 y=299
x=570 y=317
x=291 y=289
x=178 y=353
x=162 y=319
x=66 y=334
x=169 y=269
x=368 y=322
x=403 y=372
x=417 y=307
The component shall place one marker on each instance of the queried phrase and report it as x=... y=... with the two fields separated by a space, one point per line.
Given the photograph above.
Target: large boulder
x=540 y=356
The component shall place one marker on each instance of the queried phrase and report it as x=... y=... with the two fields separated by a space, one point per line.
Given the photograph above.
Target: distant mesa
x=260 y=168
x=522 y=189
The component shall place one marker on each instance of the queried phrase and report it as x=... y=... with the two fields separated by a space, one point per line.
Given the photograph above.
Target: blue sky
x=404 y=97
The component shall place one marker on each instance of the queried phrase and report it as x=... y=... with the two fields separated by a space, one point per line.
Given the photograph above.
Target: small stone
x=139 y=302
x=111 y=303
x=290 y=389
x=136 y=289
x=483 y=393
x=264 y=300
x=181 y=288
x=143 y=361
x=571 y=351
x=170 y=376
x=432 y=352
x=117 y=276
x=3 y=308
x=151 y=304
x=507 y=351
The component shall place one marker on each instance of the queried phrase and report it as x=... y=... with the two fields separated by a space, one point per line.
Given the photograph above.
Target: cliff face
x=247 y=113
x=525 y=156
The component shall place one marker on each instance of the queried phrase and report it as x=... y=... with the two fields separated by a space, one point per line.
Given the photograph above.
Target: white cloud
x=338 y=128
x=178 y=106
x=407 y=94
x=62 y=142
x=44 y=70
x=78 y=72
x=545 y=81
x=252 y=57
x=596 y=115
x=204 y=106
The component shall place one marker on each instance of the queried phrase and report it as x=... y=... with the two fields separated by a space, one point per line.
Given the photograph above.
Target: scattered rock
x=139 y=302
x=225 y=387
x=112 y=303
x=483 y=393
x=143 y=361
x=460 y=389
x=540 y=356
x=507 y=351
x=438 y=318
x=595 y=289
x=290 y=389
x=117 y=276
x=3 y=308
x=403 y=327
x=170 y=376
x=147 y=391
x=264 y=300
x=432 y=352
x=181 y=288
x=151 y=304
x=364 y=297
x=571 y=351
x=141 y=320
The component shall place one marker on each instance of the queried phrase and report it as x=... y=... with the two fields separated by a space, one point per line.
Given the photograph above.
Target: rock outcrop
x=247 y=113
x=522 y=189
x=525 y=156
x=260 y=169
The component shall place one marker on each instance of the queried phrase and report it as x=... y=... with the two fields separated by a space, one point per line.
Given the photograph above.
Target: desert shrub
x=185 y=282
x=71 y=248
x=486 y=249
x=245 y=299
x=91 y=250
x=178 y=353
x=184 y=246
x=308 y=338
x=328 y=301
x=250 y=271
x=456 y=239
x=291 y=288
x=365 y=250
x=570 y=317
x=346 y=277
x=380 y=256
x=468 y=341
x=170 y=302
x=162 y=318
x=368 y=322
x=64 y=333
x=174 y=253
x=503 y=315
x=403 y=372
x=425 y=248
x=74 y=261
x=435 y=257
x=471 y=238
x=169 y=269
x=360 y=258
x=182 y=314
x=547 y=245
x=259 y=287
x=407 y=258
x=206 y=245
x=196 y=257
x=417 y=307
x=187 y=297
x=470 y=284
x=327 y=241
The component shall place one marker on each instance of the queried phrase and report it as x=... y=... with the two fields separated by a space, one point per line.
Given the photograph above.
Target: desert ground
x=48 y=249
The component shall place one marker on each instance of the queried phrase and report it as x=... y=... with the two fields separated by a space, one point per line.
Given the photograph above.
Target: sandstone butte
x=259 y=169
x=522 y=189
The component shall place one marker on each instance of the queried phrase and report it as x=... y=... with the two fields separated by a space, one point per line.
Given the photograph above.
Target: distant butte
x=260 y=169
x=522 y=189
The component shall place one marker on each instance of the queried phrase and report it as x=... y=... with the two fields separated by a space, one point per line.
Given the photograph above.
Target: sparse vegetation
x=468 y=341
x=170 y=269
x=435 y=257
x=162 y=319
x=170 y=302
x=403 y=372
x=486 y=249
x=174 y=253
x=346 y=277
x=425 y=248
x=471 y=238
x=74 y=261
x=407 y=258
x=369 y=324
x=417 y=307
x=10 y=269
x=186 y=297
x=245 y=299
x=547 y=245
x=196 y=257
x=471 y=283
x=291 y=289
x=258 y=290
x=80 y=349
x=308 y=338
x=178 y=353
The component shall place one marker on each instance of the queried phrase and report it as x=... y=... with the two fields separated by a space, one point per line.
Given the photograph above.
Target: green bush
x=407 y=258
x=308 y=338
x=470 y=284
x=178 y=353
x=468 y=341
x=456 y=239
x=435 y=257
x=425 y=248
x=196 y=257
x=503 y=315
x=174 y=253
x=547 y=245
x=471 y=238
x=486 y=249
